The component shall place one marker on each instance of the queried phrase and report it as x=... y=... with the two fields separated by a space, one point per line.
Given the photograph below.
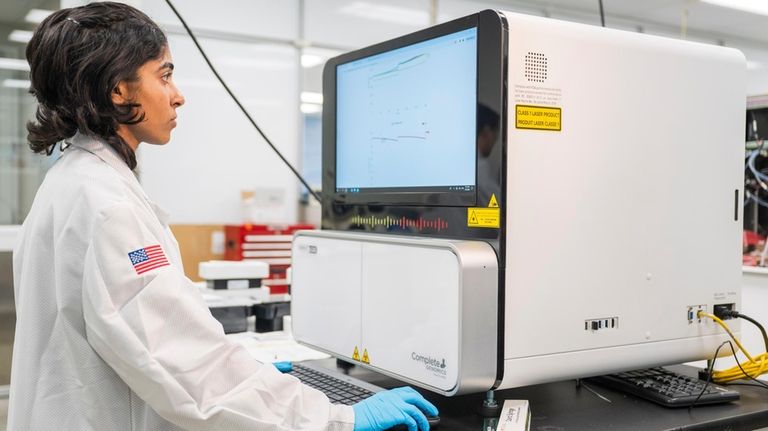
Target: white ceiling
x=704 y=21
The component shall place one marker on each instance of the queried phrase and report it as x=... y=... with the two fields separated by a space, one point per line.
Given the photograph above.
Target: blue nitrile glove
x=394 y=407
x=284 y=366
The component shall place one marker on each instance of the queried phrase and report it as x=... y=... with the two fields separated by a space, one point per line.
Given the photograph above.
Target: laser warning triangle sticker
x=488 y=217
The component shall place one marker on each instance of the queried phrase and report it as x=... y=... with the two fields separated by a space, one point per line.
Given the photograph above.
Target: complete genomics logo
x=436 y=366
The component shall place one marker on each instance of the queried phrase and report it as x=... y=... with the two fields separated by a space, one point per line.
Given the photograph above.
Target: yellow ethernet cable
x=753 y=367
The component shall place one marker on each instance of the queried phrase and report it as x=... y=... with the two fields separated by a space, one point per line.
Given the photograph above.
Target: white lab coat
x=100 y=347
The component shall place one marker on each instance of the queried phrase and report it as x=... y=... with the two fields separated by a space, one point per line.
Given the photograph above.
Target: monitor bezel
x=489 y=62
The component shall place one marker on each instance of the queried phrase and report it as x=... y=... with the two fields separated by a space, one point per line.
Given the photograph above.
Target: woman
x=110 y=334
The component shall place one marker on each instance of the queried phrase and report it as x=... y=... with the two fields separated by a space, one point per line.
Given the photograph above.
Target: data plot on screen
x=406 y=118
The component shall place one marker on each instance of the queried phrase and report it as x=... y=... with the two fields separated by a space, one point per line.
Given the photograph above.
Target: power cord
x=709 y=374
x=736 y=314
x=240 y=105
x=755 y=365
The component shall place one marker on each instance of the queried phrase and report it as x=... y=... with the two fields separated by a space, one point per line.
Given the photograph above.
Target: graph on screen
x=406 y=118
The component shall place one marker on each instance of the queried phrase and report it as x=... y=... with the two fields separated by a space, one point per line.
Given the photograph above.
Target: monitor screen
x=406 y=118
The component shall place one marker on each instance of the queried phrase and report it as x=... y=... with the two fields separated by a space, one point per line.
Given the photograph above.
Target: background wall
x=215 y=153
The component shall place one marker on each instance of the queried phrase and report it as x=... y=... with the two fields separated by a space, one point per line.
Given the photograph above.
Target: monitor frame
x=488 y=88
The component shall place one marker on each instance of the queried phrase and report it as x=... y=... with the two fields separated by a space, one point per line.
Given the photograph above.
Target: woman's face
x=158 y=97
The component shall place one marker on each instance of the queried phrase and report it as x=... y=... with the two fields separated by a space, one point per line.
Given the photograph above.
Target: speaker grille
x=535 y=67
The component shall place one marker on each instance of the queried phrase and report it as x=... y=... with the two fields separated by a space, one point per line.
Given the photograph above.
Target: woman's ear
x=120 y=94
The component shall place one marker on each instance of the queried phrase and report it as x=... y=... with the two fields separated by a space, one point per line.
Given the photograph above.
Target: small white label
x=515 y=416
x=237 y=284
x=217 y=242
x=538 y=95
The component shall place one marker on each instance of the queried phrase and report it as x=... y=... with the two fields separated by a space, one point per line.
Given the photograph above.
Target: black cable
x=733 y=352
x=709 y=374
x=602 y=15
x=240 y=105
x=756 y=323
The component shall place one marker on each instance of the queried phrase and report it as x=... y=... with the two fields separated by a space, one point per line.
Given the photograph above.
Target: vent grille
x=535 y=67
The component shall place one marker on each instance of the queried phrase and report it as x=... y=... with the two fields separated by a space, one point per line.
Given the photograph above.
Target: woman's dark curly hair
x=77 y=57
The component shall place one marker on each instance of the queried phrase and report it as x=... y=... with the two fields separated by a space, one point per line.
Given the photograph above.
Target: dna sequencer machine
x=510 y=200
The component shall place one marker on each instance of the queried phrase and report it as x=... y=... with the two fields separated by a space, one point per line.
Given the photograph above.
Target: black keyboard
x=340 y=388
x=666 y=387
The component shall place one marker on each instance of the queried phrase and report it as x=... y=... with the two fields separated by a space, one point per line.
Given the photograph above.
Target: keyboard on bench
x=340 y=388
x=666 y=387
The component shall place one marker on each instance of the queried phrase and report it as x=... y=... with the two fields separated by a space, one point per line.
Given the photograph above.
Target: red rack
x=266 y=243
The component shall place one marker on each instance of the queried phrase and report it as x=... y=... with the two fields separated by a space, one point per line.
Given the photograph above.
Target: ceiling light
x=311 y=108
x=14 y=64
x=16 y=83
x=759 y=7
x=394 y=14
x=36 y=16
x=310 y=97
x=22 y=36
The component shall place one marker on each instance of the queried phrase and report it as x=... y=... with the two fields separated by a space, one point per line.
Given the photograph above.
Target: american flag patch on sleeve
x=148 y=258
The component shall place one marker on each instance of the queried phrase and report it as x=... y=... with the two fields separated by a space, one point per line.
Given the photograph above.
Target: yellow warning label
x=538 y=118
x=356 y=354
x=483 y=217
x=493 y=202
x=365 y=357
